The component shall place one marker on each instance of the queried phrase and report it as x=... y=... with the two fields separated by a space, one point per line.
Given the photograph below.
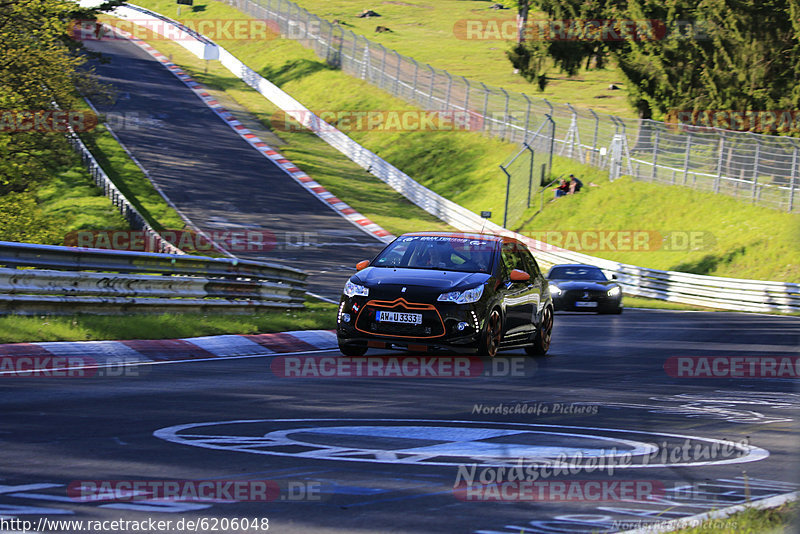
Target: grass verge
x=27 y=329
x=769 y=521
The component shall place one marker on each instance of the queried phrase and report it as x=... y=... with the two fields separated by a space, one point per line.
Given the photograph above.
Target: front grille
x=431 y=326
x=578 y=294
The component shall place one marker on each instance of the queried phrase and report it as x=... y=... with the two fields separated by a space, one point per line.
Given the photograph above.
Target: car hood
x=582 y=284
x=423 y=279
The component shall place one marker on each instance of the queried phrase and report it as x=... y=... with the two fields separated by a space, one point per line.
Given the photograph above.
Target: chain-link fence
x=526 y=173
x=761 y=168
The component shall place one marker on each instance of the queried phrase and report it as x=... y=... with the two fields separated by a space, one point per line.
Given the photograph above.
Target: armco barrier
x=124 y=281
x=714 y=292
x=120 y=201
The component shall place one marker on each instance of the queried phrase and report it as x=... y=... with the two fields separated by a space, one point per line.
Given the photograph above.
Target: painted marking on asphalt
x=437 y=442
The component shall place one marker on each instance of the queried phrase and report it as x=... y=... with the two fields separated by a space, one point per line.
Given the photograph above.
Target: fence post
x=365 y=63
x=655 y=155
x=289 y=14
x=549 y=105
x=430 y=89
x=383 y=67
x=397 y=73
x=485 y=106
x=686 y=158
x=466 y=98
x=719 y=161
x=505 y=116
x=527 y=120
x=416 y=73
x=355 y=48
x=552 y=142
x=449 y=88
x=508 y=192
x=755 y=168
x=330 y=55
x=594 y=138
x=530 y=173
x=793 y=179
x=541 y=193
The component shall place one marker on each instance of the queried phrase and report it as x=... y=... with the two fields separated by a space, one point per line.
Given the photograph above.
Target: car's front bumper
x=591 y=304
x=445 y=325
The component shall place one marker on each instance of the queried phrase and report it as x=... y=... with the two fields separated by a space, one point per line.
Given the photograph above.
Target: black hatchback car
x=584 y=288
x=468 y=293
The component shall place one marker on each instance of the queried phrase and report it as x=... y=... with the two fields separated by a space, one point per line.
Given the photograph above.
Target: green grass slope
x=433 y=32
x=749 y=241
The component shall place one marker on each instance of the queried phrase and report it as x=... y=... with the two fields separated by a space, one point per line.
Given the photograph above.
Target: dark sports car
x=584 y=288
x=468 y=293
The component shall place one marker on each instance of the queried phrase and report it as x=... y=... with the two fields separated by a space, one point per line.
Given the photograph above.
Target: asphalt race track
x=382 y=454
x=348 y=454
x=217 y=179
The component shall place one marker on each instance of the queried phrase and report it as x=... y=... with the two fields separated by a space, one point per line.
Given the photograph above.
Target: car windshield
x=577 y=273
x=439 y=253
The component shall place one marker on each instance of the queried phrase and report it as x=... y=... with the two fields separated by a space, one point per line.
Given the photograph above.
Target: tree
x=711 y=54
x=523 y=8
x=562 y=41
x=39 y=65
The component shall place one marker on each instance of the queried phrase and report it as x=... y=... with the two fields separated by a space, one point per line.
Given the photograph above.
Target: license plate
x=399 y=317
x=586 y=304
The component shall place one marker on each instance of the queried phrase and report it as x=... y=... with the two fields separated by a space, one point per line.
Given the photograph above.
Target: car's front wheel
x=351 y=349
x=490 y=340
x=542 y=342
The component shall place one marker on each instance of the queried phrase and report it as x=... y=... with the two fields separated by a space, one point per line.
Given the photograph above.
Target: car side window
x=511 y=259
x=532 y=268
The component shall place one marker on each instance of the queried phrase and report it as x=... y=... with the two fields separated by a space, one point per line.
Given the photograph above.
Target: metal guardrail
x=714 y=292
x=80 y=280
x=135 y=219
x=762 y=168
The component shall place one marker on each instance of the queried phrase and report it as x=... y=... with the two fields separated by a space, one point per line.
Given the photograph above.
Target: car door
x=518 y=297
x=537 y=284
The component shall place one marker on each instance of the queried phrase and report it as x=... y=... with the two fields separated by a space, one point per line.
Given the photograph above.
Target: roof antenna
x=485 y=215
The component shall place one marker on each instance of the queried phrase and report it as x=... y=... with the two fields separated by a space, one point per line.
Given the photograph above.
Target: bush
x=23 y=221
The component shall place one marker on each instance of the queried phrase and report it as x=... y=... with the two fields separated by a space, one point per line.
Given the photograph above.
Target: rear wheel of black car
x=542 y=342
x=490 y=341
x=350 y=349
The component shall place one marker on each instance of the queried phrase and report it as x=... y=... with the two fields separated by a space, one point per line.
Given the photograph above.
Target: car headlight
x=555 y=290
x=351 y=289
x=613 y=292
x=462 y=297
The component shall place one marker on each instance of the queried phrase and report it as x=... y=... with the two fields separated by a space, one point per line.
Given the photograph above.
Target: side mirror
x=362 y=265
x=613 y=276
x=519 y=276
